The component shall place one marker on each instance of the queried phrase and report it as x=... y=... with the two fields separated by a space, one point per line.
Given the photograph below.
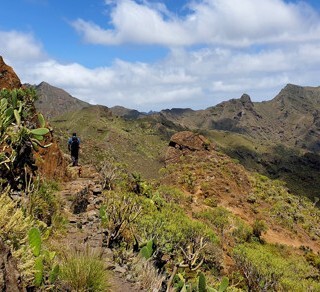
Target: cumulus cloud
x=197 y=76
x=222 y=22
x=20 y=46
x=195 y=79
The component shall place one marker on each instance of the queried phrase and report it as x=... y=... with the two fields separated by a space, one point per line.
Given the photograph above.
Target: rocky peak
x=8 y=78
x=245 y=98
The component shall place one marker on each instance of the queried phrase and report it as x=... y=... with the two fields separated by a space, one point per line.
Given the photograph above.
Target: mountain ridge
x=268 y=120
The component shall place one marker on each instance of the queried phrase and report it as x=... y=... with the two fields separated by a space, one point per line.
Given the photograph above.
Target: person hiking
x=73 y=147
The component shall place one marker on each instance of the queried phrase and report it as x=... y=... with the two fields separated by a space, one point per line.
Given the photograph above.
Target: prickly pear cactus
x=22 y=131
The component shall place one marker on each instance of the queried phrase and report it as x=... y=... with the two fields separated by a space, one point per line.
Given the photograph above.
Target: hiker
x=73 y=147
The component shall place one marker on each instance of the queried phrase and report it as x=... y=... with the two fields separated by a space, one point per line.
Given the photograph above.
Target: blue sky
x=152 y=55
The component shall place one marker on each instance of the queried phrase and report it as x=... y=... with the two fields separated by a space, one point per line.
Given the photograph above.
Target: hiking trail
x=81 y=197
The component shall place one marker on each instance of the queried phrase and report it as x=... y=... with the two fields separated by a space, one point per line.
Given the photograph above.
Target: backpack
x=74 y=144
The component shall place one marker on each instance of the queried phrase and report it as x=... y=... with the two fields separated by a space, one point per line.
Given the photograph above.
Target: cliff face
x=8 y=78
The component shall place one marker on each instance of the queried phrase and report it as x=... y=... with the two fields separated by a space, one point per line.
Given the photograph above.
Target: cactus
x=39 y=131
x=224 y=284
x=17 y=117
x=54 y=274
x=148 y=250
x=38 y=276
x=202 y=285
x=42 y=257
x=35 y=241
x=41 y=120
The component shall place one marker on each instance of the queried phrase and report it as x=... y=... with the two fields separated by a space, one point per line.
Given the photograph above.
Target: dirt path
x=82 y=199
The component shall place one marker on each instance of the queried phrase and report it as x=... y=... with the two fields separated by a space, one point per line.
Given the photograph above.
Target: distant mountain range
x=291 y=118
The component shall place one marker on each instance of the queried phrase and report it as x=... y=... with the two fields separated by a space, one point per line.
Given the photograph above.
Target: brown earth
x=10 y=279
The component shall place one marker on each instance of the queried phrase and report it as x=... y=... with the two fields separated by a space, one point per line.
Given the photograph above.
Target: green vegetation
x=275 y=268
x=196 y=222
x=83 y=271
x=139 y=144
x=27 y=203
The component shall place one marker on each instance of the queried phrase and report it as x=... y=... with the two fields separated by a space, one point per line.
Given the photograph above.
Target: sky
x=153 y=55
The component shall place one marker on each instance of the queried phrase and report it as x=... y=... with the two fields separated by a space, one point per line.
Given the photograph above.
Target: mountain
x=55 y=101
x=126 y=113
x=205 y=223
x=292 y=118
x=279 y=138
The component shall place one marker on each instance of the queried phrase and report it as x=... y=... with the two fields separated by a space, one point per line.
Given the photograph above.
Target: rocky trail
x=81 y=197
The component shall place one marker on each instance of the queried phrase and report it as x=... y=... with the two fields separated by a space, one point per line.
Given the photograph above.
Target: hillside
x=291 y=118
x=139 y=143
x=202 y=222
x=278 y=138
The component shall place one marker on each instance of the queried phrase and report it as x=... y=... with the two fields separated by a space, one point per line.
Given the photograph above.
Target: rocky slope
x=8 y=78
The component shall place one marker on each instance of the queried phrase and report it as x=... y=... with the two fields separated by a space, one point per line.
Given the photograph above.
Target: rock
x=119 y=269
x=8 y=78
x=97 y=190
x=183 y=142
x=10 y=279
x=79 y=205
x=92 y=215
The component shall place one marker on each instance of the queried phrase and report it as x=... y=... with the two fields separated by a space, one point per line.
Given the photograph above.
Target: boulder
x=185 y=142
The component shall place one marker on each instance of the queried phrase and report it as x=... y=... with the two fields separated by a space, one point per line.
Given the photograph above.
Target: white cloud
x=18 y=46
x=195 y=79
x=223 y=68
x=220 y=22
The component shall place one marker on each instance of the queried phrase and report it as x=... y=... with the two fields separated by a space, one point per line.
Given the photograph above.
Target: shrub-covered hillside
x=204 y=223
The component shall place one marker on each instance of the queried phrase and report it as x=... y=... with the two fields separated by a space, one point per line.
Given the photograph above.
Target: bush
x=83 y=271
x=274 y=268
x=43 y=202
x=259 y=226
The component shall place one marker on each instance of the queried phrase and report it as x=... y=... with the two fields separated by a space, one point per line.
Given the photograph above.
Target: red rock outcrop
x=8 y=78
x=185 y=142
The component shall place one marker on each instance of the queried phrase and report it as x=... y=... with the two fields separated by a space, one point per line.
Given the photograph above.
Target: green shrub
x=44 y=203
x=14 y=232
x=259 y=226
x=275 y=268
x=218 y=218
x=83 y=271
x=242 y=232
